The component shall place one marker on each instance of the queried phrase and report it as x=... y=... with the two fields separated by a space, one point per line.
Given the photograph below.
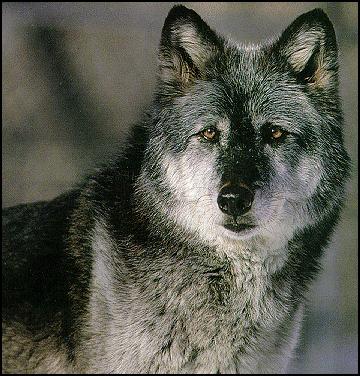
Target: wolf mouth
x=238 y=228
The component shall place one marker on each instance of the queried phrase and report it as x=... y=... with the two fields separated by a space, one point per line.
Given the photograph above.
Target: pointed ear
x=187 y=43
x=309 y=47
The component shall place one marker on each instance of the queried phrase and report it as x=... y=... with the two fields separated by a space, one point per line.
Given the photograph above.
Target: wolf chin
x=193 y=250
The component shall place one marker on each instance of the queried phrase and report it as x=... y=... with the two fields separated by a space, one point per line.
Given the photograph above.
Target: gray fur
x=151 y=280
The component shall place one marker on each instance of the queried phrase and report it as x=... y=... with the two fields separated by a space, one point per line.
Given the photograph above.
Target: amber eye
x=209 y=134
x=273 y=134
x=276 y=133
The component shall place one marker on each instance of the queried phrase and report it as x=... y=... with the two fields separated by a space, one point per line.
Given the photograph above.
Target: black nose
x=235 y=200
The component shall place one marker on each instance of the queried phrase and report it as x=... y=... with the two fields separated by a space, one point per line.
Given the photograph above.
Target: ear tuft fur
x=186 y=44
x=309 y=46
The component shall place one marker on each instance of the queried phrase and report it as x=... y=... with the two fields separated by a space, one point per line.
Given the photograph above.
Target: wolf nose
x=235 y=200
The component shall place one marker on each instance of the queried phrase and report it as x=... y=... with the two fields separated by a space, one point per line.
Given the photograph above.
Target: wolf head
x=245 y=144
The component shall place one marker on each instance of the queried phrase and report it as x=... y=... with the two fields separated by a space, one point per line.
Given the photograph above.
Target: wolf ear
x=187 y=43
x=309 y=46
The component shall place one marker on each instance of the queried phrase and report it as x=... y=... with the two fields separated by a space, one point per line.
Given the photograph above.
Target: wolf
x=192 y=251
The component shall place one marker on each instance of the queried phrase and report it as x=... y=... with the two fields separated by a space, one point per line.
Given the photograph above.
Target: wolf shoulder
x=34 y=285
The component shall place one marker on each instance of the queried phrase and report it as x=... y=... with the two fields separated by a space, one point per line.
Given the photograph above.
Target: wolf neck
x=191 y=295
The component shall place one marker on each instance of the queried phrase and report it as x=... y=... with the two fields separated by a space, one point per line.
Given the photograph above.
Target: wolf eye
x=277 y=133
x=272 y=133
x=210 y=134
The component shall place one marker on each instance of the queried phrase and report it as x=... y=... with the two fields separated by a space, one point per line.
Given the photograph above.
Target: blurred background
x=77 y=75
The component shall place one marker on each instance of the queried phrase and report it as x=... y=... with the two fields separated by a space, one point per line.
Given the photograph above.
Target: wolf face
x=246 y=141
